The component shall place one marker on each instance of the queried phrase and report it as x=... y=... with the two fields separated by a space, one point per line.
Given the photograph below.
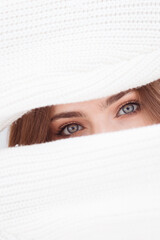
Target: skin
x=122 y=111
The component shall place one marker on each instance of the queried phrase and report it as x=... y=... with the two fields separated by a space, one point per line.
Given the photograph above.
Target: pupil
x=128 y=108
x=72 y=128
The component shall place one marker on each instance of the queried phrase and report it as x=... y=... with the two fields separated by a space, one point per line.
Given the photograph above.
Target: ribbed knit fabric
x=69 y=51
x=107 y=188
x=98 y=187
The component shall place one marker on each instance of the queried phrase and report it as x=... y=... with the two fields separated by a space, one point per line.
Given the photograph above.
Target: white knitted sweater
x=98 y=187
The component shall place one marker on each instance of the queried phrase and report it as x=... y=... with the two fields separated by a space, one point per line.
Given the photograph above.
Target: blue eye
x=128 y=108
x=71 y=128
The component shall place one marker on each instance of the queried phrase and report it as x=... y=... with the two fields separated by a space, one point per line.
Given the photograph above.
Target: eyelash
x=127 y=103
x=62 y=127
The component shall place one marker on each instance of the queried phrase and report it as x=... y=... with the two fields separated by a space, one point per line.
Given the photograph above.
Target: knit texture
x=54 y=52
x=97 y=187
x=106 y=187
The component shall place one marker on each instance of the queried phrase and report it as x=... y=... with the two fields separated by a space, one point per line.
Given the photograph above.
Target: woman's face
x=121 y=111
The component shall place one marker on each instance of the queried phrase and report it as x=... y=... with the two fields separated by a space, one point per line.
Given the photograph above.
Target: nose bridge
x=101 y=124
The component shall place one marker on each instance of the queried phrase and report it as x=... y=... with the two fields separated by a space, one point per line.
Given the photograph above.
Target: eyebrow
x=115 y=98
x=106 y=104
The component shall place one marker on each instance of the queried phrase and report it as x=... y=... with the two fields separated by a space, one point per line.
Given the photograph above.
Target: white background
x=4 y=138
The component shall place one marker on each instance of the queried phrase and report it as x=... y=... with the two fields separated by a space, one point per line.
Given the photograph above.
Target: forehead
x=71 y=106
x=95 y=102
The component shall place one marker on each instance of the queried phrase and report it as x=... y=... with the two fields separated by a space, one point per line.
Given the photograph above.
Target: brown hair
x=34 y=126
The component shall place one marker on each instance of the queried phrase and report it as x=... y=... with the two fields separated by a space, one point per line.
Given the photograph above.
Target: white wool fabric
x=97 y=187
